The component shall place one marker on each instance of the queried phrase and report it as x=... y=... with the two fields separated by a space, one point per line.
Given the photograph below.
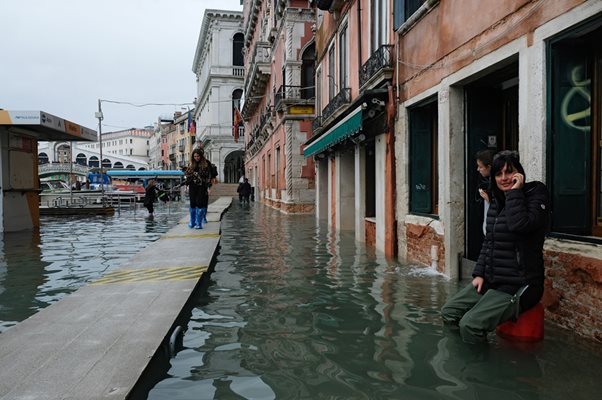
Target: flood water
x=39 y=268
x=294 y=312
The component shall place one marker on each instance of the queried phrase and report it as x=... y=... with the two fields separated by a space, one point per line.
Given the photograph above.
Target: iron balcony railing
x=292 y=94
x=380 y=60
x=342 y=98
x=265 y=117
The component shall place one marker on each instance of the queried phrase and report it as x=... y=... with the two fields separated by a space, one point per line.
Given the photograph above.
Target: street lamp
x=99 y=115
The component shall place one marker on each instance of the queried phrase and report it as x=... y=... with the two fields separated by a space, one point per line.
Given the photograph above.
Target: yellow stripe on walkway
x=153 y=274
x=190 y=235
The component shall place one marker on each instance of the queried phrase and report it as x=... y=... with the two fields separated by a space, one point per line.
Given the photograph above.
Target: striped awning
x=347 y=127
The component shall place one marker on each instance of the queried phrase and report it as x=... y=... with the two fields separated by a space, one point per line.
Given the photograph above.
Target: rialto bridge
x=54 y=159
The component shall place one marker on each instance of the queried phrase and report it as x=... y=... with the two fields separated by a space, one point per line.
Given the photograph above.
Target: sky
x=62 y=56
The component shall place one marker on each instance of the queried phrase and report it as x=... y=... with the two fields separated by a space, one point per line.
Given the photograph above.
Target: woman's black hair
x=510 y=159
x=484 y=156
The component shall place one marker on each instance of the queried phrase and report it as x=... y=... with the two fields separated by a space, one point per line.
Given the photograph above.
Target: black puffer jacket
x=512 y=253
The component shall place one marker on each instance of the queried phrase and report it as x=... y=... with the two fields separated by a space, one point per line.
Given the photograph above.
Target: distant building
x=279 y=102
x=218 y=65
x=134 y=143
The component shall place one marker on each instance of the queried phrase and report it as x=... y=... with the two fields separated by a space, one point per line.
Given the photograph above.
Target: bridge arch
x=43 y=158
x=81 y=159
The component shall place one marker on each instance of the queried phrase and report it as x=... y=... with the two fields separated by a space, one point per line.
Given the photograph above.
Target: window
x=331 y=73
x=236 y=119
x=343 y=58
x=423 y=159
x=237 y=45
x=379 y=23
x=307 y=72
x=575 y=115
x=318 y=91
x=403 y=9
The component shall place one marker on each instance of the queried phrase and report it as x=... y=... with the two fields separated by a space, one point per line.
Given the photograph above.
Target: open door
x=491 y=121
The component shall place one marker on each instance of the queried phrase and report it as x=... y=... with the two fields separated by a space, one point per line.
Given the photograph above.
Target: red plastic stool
x=528 y=327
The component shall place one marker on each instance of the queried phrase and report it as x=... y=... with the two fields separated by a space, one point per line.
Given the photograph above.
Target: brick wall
x=370 y=232
x=573 y=292
x=419 y=239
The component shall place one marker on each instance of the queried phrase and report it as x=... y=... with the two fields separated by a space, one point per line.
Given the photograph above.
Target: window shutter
x=571 y=141
x=399 y=16
x=420 y=161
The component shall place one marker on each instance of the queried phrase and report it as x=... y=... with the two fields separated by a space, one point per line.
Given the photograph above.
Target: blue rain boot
x=192 y=222
x=204 y=214
x=198 y=219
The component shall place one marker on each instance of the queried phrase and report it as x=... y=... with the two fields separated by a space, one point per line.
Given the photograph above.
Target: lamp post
x=99 y=115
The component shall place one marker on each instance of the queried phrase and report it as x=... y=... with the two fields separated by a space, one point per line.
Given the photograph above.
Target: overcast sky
x=61 y=56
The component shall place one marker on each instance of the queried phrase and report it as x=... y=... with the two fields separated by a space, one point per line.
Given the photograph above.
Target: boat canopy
x=157 y=174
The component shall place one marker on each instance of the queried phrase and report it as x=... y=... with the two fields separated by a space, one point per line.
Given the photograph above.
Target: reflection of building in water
x=21 y=273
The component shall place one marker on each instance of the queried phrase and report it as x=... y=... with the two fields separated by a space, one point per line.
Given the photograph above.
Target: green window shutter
x=571 y=140
x=421 y=161
x=399 y=15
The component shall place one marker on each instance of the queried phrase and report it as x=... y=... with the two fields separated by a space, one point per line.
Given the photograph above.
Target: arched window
x=93 y=162
x=308 y=90
x=106 y=163
x=42 y=158
x=118 y=165
x=81 y=159
x=237 y=45
x=130 y=167
x=141 y=169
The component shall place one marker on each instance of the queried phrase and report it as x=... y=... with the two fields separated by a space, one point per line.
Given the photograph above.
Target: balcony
x=297 y=95
x=316 y=125
x=257 y=78
x=238 y=71
x=378 y=68
x=338 y=101
x=181 y=148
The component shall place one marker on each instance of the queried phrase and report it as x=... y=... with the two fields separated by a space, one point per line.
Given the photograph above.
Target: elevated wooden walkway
x=96 y=342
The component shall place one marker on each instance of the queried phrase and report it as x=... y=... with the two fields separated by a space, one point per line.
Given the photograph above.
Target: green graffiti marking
x=581 y=87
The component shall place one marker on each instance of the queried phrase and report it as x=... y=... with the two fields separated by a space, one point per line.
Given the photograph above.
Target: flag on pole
x=189 y=121
x=192 y=128
x=237 y=122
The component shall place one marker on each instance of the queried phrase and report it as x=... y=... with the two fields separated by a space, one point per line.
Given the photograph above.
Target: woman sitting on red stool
x=508 y=277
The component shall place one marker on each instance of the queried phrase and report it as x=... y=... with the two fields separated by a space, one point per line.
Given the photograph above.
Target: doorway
x=491 y=120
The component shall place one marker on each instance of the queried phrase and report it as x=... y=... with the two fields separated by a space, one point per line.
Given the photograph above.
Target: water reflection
x=21 y=273
x=37 y=268
x=294 y=311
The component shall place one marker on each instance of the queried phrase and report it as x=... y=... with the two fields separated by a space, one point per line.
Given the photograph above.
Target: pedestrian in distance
x=484 y=159
x=508 y=277
x=150 y=195
x=244 y=191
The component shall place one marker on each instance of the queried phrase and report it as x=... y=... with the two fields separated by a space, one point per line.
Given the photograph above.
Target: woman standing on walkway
x=509 y=275
x=199 y=176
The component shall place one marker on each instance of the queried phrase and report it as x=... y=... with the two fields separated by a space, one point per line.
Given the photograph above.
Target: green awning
x=348 y=126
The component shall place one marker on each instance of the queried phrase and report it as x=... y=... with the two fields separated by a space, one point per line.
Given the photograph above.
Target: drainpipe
x=359 y=31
